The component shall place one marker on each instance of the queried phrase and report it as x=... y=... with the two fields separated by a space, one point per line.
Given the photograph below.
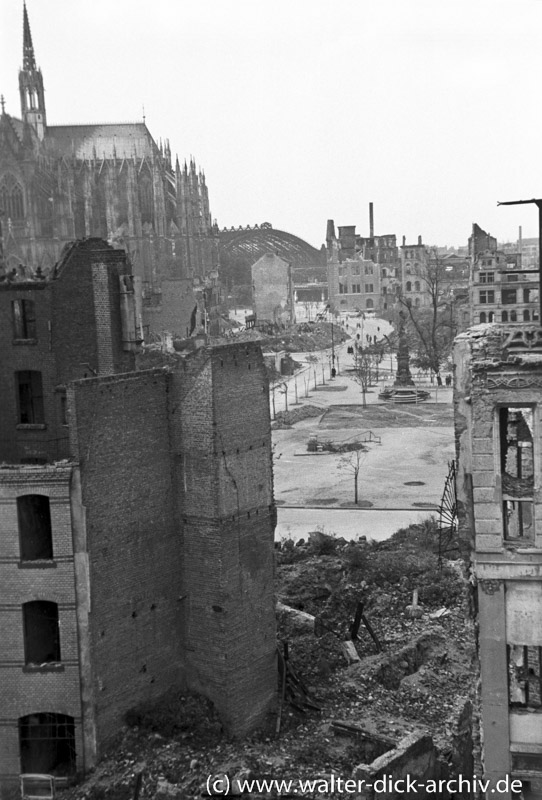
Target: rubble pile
x=359 y=673
x=300 y=338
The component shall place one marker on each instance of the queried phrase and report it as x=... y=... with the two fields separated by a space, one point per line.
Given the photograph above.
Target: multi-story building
x=500 y=291
x=136 y=532
x=113 y=181
x=356 y=282
x=498 y=403
x=414 y=264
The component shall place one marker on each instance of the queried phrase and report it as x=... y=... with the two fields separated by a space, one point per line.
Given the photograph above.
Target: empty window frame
x=525 y=676
x=487 y=296
x=508 y=296
x=30 y=397
x=35 y=533
x=47 y=744
x=487 y=277
x=517 y=471
x=518 y=521
x=369 y=288
x=41 y=632
x=24 y=319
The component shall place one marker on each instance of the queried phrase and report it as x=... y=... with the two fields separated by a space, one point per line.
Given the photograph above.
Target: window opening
x=30 y=396
x=11 y=198
x=508 y=296
x=504 y=316
x=487 y=296
x=35 y=534
x=525 y=676
x=24 y=319
x=47 y=744
x=517 y=471
x=483 y=316
x=41 y=632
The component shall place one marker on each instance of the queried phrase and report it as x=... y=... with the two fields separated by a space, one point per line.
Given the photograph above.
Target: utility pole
x=537 y=202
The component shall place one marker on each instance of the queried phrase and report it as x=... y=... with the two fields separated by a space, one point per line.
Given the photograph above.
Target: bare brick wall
x=79 y=332
x=133 y=541
x=224 y=445
x=22 y=356
x=79 y=317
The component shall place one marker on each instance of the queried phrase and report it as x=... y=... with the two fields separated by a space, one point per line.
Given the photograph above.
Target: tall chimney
x=371 y=222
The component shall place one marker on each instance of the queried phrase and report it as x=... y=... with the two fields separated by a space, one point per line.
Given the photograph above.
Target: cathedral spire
x=31 y=84
x=29 y=60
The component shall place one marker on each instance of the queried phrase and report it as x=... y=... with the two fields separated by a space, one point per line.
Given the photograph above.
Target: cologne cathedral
x=64 y=182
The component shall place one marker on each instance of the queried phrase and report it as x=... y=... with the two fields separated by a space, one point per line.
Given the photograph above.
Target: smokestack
x=404 y=241
x=371 y=222
x=419 y=240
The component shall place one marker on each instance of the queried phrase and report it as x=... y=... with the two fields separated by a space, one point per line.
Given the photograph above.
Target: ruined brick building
x=62 y=182
x=501 y=288
x=136 y=531
x=498 y=394
x=362 y=272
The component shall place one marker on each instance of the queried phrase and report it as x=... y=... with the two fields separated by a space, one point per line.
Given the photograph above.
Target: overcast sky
x=304 y=110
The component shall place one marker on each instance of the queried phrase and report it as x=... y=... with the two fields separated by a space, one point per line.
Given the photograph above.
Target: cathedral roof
x=101 y=141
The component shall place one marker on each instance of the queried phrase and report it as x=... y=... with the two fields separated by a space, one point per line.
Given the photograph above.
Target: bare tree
x=363 y=371
x=352 y=462
x=433 y=324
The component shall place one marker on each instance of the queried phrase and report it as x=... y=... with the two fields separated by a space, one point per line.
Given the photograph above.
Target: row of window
x=508 y=296
x=355 y=288
x=526 y=316
x=408 y=286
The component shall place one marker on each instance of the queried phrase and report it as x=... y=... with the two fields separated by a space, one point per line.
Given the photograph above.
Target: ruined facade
x=113 y=181
x=273 y=290
x=500 y=290
x=498 y=392
x=361 y=272
x=136 y=533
